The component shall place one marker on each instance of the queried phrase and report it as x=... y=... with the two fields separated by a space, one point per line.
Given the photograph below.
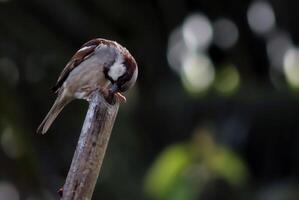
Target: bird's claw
x=121 y=98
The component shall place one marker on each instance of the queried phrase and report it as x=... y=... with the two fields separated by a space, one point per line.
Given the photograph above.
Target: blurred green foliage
x=181 y=170
x=230 y=64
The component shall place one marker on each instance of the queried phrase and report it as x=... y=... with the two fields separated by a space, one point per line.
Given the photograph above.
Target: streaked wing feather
x=83 y=53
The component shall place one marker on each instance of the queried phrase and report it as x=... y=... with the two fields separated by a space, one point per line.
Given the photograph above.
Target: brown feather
x=80 y=56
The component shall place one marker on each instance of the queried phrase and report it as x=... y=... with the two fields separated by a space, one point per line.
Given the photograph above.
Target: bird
x=99 y=64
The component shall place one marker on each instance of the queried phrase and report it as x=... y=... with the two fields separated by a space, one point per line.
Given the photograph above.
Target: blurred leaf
x=228 y=165
x=166 y=170
x=181 y=171
x=181 y=190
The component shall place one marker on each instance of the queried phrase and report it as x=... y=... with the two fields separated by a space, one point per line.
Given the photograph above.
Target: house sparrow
x=98 y=64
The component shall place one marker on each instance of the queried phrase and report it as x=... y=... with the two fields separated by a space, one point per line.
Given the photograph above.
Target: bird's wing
x=82 y=54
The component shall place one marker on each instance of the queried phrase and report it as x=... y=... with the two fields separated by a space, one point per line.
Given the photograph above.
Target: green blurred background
x=214 y=114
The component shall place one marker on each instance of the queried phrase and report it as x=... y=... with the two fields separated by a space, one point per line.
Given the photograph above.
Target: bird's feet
x=121 y=98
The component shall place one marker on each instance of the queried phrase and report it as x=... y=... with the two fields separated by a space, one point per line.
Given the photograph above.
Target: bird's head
x=123 y=72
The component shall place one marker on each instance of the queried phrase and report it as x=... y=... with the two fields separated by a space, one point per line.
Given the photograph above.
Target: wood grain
x=91 y=148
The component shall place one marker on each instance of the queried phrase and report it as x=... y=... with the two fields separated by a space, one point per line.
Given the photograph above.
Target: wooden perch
x=90 y=151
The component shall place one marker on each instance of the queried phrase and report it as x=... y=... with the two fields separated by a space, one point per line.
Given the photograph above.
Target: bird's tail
x=57 y=107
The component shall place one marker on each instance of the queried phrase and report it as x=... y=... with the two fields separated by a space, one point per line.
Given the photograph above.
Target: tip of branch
x=60 y=192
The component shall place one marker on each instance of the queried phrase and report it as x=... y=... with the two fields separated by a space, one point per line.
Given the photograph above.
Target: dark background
x=214 y=114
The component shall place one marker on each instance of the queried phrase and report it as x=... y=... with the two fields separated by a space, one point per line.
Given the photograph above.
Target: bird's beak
x=115 y=91
x=114 y=88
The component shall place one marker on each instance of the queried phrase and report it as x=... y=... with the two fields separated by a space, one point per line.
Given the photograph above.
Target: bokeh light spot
x=198 y=73
x=227 y=80
x=176 y=50
x=197 y=32
x=8 y=191
x=226 y=33
x=10 y=144
x=277 y=46
x=260 y=16
x=291 y=67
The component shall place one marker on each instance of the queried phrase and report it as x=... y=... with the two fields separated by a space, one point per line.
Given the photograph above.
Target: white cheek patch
x=117 y=69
